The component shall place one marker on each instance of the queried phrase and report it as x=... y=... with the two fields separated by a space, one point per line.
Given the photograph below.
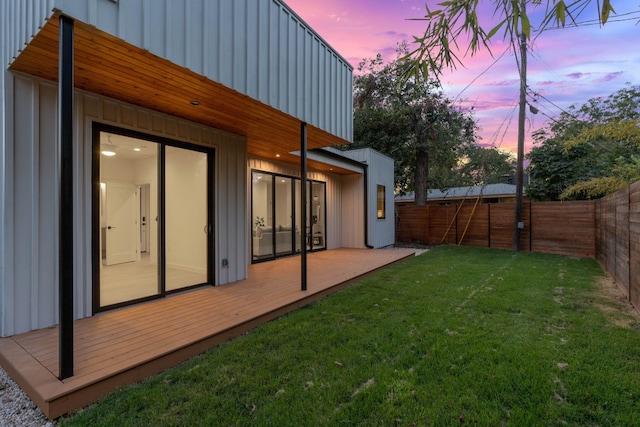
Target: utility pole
x=518 y=223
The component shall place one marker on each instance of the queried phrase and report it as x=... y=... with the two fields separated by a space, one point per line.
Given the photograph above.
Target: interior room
x=129 y=218
x=277 y=221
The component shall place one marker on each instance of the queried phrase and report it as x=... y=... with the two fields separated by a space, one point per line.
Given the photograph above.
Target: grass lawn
x=457 y=336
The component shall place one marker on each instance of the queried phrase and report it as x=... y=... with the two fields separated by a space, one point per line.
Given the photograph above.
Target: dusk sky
x=565 y=66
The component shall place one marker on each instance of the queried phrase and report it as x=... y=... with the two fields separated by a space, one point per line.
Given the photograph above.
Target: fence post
x=530 y=227
x=488 y=225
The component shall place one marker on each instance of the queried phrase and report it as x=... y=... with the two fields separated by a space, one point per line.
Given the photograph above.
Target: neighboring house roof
x=489 y=190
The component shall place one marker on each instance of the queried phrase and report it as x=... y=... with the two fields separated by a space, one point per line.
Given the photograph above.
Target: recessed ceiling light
x=108 y=153
x=195 y=102
x=277 y=155
x=136 y=149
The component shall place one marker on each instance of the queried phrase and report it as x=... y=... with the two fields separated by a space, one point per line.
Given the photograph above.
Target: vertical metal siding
x=353 y=211
x=29 y=240
x=258 y=47
x=21 y=20
x=32 y=265
x=380 y=170
x=4 y=48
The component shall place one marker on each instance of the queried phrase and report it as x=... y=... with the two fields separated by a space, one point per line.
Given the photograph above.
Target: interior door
x=122 y=204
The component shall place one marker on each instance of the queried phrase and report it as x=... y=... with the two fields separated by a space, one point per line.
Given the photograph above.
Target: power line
x=591 y=23
x=509 y=117
x=483 y=72
x=538 y=94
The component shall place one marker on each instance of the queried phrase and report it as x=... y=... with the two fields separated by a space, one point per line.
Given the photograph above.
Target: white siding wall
x=353 y=211
x=257 y=47
x=380 y=172
x=29 y=276
x=19 y=20
x=334 y=237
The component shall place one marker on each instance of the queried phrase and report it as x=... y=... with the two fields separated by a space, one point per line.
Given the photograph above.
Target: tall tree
x=482 y=166
x=458 y=19
x=411 y=121
x=588 y=151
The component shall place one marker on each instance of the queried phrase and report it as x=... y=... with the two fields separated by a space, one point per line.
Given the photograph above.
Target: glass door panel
x=127 y=249
x=318 y=220
x=284 y=226
x=262 y=205
x=301 y=237
x=308 y=213
x=187 y=226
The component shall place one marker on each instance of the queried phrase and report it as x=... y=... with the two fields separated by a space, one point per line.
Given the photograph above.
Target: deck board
x=129 y=344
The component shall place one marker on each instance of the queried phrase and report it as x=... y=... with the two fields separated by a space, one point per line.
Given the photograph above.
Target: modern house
x=149 y=147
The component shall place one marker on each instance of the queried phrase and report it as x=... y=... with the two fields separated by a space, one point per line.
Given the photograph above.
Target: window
x=277 y=218
x=381 y=202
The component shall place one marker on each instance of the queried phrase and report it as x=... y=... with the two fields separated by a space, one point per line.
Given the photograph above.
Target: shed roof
x=489 y=190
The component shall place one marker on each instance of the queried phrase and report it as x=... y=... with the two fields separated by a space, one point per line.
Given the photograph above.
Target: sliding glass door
x=153 y=227
x=277 y=217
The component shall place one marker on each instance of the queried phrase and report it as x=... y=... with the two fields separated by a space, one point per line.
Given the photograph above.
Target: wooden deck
x=127 y=345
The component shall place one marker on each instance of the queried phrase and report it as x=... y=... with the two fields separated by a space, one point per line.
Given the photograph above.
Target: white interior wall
x=117 y=169
x=261 y=205
x=283 y=201
x=186 y=209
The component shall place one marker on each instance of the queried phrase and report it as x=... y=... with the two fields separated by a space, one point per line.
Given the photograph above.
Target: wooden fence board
x=634 y=244
x=565 y=228
x=501 y=230
x=548 y=227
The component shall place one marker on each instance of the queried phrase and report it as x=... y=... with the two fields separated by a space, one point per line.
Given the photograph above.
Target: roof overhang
x=109 y=66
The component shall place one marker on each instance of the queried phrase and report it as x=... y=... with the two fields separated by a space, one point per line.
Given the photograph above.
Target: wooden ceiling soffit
x=108 y=66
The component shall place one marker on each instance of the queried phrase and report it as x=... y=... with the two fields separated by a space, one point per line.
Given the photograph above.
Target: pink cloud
x=568 y=66
x=610 y=77
x=577 y=75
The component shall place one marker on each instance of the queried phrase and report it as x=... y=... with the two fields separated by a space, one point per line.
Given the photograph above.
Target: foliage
x=589 y=151
x=412 y=122
x=481 y=166
x=457 y=23
x=456 y=336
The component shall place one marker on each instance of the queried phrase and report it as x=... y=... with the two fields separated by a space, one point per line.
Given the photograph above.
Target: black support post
x=65 y=226
x=303 y=204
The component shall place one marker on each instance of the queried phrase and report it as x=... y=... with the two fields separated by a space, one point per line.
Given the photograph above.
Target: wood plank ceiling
x=110 y=67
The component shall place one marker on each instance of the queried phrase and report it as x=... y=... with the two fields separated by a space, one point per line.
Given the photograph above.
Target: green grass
x=455 y=336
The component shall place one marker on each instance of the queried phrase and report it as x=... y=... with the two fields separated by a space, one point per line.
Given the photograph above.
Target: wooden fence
x=618 y=239
x=556 y=227
x=607 y=230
